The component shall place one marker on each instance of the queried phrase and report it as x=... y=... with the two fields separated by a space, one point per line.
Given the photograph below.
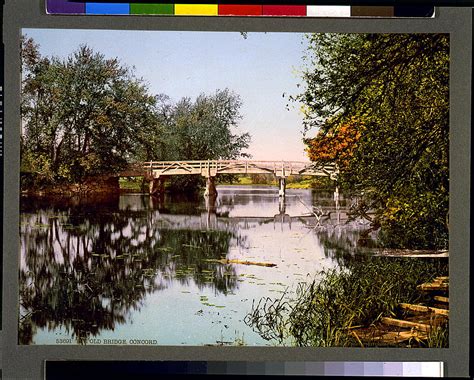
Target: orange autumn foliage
x=336 y=146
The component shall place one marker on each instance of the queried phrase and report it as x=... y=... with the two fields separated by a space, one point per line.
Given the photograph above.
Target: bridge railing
x=224 y=163
x=214 y=167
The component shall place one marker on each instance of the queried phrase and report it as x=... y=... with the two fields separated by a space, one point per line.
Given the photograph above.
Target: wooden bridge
x=157 y=171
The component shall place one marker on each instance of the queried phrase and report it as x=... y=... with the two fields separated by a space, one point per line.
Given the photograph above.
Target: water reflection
x=85 y=270
x=92 y=266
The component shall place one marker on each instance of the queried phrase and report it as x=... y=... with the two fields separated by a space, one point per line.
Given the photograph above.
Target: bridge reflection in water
x=329 y=215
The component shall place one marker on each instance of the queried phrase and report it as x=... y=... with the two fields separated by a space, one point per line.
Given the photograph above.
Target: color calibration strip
x=100 y=8
x=58 y=369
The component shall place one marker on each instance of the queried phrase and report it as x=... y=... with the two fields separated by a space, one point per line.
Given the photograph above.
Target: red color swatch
x=284 y=10
x=240 y=10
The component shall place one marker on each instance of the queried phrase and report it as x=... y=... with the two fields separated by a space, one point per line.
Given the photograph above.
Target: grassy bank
x=248 y=181
x=132 y=184
x=323 y=312
x=292 y=182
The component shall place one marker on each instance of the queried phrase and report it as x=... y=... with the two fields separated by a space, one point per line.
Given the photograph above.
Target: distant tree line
x=89 y=115
x=380 y=106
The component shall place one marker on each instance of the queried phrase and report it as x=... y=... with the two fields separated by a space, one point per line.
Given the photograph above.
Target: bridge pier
x=157 y=186
x=282 y=186
x=211 y=190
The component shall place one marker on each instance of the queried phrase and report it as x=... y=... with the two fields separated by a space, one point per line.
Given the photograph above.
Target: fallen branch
x=406 y=324
x=433 y=286
x=228 y=261
x=441 y=299
x=424 y=309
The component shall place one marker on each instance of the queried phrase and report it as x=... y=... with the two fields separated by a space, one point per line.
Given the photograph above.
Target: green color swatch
x=152 y=9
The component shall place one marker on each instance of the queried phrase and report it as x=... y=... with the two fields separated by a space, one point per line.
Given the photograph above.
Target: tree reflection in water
x=87 y=264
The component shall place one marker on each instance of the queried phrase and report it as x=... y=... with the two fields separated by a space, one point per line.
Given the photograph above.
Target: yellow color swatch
x=196 y=9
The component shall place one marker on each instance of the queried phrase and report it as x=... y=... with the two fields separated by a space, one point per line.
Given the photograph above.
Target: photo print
x=234 y=189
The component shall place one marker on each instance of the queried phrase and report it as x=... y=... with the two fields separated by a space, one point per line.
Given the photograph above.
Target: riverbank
x=90 y=186
x=358 y=296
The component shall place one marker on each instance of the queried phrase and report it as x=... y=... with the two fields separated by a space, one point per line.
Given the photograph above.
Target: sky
x=260 y=68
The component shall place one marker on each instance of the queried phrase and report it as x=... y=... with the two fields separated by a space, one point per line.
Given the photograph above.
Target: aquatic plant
x=323 y=312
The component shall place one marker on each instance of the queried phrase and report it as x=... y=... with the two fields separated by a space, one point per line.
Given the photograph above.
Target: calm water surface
x=134 y=268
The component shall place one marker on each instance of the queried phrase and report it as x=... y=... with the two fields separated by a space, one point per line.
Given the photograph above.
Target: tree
x=396 y=86
x=80 y=115
x=203 y=130
x=336 y=146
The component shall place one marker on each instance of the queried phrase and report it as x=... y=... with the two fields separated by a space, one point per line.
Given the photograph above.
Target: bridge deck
x=212 y=168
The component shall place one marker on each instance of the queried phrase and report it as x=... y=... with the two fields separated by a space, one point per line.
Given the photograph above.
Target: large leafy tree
x=394 y=90
x=80 y=116
x=205 y=128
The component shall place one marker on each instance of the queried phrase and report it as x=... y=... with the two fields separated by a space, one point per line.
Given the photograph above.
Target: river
x=132 y=269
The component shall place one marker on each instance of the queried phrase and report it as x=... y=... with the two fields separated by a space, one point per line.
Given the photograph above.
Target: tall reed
x=324 y=311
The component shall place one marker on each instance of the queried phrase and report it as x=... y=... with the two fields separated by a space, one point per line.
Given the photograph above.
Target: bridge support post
x=211 y=190
x=157 y=186
x=282 y=186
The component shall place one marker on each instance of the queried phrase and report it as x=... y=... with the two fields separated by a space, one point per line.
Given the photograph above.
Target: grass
x=304 y=184
x=292 y=182
x=130 y=183
x=323 y=312
x=438 y=337
x=248 y=181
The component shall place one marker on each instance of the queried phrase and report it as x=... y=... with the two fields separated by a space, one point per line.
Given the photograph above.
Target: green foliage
x=89 y=115
x=79 y=114
x=323 y=311
x=203 y=129
x=262 y=179
x=132 y=184
x=396 y=86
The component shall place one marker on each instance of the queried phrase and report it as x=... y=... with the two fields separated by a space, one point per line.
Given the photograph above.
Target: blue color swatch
x=107 y=8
